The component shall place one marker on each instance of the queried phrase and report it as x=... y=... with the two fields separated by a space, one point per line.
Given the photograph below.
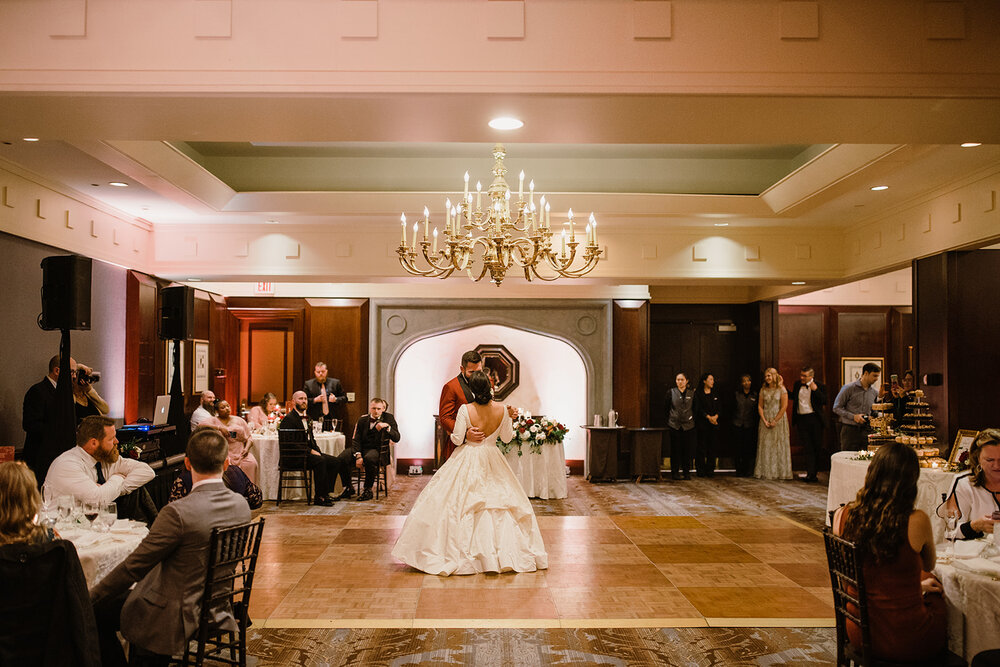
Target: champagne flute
x=951 y=524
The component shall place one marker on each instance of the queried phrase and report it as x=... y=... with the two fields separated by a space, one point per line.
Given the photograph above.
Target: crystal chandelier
x=496 y=239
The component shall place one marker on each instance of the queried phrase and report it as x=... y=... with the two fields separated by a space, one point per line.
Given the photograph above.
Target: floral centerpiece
x=961 y=464
x=534 y=432
x=129 y=449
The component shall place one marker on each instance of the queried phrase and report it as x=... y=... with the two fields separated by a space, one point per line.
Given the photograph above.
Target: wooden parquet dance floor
x=729 y=555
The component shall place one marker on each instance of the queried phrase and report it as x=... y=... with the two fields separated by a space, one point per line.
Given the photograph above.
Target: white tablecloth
x=848 y=476
x=265 y=448
x=542 y=475
x=101 y=552
x=973 y=607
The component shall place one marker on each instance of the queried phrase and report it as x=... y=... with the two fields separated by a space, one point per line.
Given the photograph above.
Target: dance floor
x=720 y=571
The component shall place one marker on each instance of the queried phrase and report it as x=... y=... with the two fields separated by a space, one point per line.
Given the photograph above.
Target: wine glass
x=951 y=524
x=108 y=516
x=64 y=506
x=91 y=512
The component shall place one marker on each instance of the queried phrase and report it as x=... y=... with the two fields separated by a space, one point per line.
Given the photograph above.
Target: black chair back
x=293 y=448
x=847 y=580
x=232 y=561
x=45 y=613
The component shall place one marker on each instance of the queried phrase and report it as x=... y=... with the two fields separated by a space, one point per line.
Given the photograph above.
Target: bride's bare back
x=487 y=418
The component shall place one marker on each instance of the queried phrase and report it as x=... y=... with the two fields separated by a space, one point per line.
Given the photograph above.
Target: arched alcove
x=553 y=381
x=582 y=325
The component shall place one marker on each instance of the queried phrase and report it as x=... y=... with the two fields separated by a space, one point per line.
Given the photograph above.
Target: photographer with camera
x=86 y=400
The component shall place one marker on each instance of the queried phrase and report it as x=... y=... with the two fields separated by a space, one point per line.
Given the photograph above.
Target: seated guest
x=977 y=492
x=234 y=479
x=161 y=613
x=44 y=589
x=93 y=471
x=205 y=411
x=905 y=608
x=237 y=432
x=324 y=466
x=259 y=413
x=366 y=445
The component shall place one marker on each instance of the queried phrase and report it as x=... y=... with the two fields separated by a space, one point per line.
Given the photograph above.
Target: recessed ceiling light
x=506 y=123
x=118 y=184
x=194 y=280
x=879 y=188
x=971 y=144
x=270 y=222
x=799 y=282
x=720 y=224
x=31 y=138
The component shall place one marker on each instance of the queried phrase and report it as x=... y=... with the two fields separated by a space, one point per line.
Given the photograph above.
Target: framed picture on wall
x=503 y=369
x=169 y=346
x=200 y=370
x=963 y=443
x=850 y=367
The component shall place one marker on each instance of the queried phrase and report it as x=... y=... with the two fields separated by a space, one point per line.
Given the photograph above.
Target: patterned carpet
x=730 y=502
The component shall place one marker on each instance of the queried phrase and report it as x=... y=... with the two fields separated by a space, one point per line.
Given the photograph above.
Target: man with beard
x=93 y=471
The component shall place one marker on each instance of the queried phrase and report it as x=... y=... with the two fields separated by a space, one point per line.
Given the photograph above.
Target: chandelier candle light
x=519 y=240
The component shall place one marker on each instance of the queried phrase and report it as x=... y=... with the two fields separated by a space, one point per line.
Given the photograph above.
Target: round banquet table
x=847 y=477
x=265 y=448
x=542 y=475
x=972 y=593
x=102 y=552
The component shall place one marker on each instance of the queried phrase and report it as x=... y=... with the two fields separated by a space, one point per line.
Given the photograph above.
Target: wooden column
x=630 y=363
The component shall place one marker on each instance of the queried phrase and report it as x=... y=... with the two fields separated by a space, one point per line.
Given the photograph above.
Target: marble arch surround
x=584 y=324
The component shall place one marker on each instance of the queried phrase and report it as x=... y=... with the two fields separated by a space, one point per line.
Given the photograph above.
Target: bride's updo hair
x=479 y=383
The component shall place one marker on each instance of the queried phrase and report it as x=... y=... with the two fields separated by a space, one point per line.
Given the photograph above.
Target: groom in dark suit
x=454 y=395
x=370 y=433
x=161 y=614
x=808 y=399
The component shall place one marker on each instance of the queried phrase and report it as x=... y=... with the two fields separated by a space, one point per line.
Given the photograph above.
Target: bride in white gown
x=473 y=516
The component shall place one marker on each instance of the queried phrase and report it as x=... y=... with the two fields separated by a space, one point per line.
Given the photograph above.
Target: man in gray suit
x=161 y=613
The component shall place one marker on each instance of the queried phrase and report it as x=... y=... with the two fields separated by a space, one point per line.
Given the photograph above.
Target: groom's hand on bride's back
x=474 y=434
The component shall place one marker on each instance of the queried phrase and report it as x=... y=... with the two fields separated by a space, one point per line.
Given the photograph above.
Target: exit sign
x=264 y=289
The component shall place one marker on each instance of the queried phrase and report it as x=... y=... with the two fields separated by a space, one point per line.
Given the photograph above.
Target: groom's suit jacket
x=454 y=395
x=170 y=564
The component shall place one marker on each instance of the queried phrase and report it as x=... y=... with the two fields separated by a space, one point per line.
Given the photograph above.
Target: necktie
x=100 y=473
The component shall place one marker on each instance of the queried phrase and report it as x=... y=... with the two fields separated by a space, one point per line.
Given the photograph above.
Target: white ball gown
x=473 y=516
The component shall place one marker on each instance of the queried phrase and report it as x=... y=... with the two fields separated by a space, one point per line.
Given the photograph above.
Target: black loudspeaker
x=66 y=292
x=177 y=313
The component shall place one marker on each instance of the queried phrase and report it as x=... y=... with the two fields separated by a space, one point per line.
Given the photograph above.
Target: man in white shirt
x=93 y=471
x=205 y=411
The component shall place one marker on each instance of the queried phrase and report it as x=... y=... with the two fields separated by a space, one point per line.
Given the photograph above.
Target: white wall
x=553 y=382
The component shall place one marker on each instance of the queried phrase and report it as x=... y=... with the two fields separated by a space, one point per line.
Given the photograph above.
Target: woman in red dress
x=905 y=608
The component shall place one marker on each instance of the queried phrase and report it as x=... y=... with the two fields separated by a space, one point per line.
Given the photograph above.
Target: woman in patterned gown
x=774 y=455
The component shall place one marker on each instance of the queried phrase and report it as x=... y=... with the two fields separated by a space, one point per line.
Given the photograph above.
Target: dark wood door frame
x=278 y=319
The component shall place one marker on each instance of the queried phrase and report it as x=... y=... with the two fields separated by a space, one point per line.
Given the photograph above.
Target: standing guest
x=322 y=394
x=901 y=395
x=745 y=427
x=238 y=434
x=906 y=612
x=680 y=422
x=976 y=494
x=774 y=455
x=808 y=399
x=455 y=394
x=324 y=466
x=86 y=400
x=260 y=412
x=44 y=588
x=161 y=613
x=204 y=411
x=370 y=433
x=853 y=407
x=706 y=418
x=37 y=415
x=93 y=471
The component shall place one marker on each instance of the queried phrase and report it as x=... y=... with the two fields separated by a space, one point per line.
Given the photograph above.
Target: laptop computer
x=161 y=410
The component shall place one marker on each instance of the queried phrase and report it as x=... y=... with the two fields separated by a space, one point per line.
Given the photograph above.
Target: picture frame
x=963 y=443
x=170 y=365
x=850 y=367
x=200 y=369
x=502 y=367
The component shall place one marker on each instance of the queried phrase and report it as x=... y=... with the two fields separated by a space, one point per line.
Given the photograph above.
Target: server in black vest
x=745 y=418
x=680 y=425
x=808 y=400
x=370 y=433
x=323 y=394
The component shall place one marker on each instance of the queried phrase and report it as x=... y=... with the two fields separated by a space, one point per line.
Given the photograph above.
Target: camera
x=85 y=378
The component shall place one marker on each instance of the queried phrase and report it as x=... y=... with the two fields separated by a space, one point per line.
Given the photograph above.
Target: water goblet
x=108 y=516
x=951 y=524
x=64 y=507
